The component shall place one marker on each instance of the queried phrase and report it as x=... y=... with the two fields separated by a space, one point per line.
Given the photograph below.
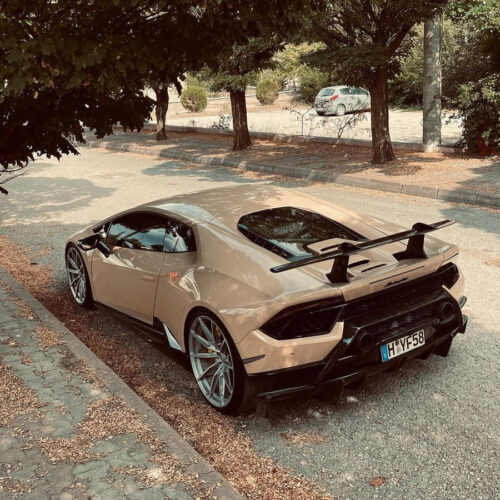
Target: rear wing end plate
x=340 y=256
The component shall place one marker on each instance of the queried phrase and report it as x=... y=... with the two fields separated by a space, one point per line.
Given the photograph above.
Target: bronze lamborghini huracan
x=272 y=293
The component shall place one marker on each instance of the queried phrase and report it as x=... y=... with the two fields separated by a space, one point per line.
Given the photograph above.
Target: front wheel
x=78 y=278
x=216 y=365
x=340 y=110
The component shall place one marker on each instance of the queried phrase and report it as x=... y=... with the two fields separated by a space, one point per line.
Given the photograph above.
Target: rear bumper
x=339 y=370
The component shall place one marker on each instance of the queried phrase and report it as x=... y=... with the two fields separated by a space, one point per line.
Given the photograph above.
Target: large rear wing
x=338 y=274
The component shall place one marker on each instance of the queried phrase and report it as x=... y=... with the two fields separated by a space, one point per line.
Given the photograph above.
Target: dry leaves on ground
x=17 y=398
x=303 y=437
x=377 y=481
x=214 y=435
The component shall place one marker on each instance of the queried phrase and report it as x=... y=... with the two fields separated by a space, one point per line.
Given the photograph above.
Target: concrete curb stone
x=455 y=195
x=412 y=146
x=177 y=445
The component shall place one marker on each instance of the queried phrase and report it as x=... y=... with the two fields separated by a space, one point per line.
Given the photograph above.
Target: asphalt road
x=430 y=430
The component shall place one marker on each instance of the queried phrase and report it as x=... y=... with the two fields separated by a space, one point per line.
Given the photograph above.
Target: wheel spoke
x=207 y=331
x=205 y=372
x=73 y=263
x=227 y=377
x=72 y=271
x=204 y=355
x=215 y=378
x=80 y=289
x=222 y=387
x=201 y=340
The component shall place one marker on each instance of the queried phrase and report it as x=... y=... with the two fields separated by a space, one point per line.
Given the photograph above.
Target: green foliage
x=194 y=99
x=267 y=90
x=65 y=65
x=289 y=61
x=478 y=106
x=311 y=81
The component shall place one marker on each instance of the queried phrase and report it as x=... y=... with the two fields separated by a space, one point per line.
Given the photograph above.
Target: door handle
x=147 y=278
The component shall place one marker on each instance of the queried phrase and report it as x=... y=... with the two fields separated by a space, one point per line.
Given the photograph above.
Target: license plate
x=402 y=345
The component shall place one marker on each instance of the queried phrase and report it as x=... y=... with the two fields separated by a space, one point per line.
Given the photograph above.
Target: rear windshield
x=326 y=91
x=287 y=231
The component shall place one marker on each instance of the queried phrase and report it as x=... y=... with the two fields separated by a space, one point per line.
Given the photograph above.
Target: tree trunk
x=432 y=84
x=381 y=140
x=241 y=136
x=161 y=92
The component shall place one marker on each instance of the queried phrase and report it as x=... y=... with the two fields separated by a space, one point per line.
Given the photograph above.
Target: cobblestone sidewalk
x=65 y=435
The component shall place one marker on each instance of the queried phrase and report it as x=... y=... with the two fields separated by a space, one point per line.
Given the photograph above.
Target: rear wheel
x=78 y=278
x=340 y=110
x=217 y=366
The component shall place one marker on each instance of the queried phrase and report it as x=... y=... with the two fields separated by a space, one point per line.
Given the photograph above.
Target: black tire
x=88 y=300
x=244 y=389
x=320 y=113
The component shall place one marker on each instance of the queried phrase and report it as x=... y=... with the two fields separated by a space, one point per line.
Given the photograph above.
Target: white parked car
x=341 y=99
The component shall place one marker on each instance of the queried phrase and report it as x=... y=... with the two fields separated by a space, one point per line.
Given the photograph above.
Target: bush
x=311 y=81
x=478 y=105
x=194 y=99
x=267 y=91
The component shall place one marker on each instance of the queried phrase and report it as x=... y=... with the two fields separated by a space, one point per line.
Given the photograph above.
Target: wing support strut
x=340 y=256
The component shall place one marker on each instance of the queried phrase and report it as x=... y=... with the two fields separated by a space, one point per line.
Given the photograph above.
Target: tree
x=64 y=67
x=67 y=65
x=236 y=71
x=248 y=34
x=363 y=40
x=432 y=85
x=474 y=78
x=160 y=87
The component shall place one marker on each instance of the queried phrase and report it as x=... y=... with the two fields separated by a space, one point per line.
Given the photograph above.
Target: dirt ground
x=446 y=170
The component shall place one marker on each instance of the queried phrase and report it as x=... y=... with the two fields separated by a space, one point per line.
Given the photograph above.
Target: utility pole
x=432 y=84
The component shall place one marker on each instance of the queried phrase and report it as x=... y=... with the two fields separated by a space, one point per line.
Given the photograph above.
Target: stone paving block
x=150 y=494
x=40 y=491
x=65 y=397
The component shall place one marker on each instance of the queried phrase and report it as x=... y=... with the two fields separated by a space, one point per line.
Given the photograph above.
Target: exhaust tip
x=445 y=311
x=365 y=341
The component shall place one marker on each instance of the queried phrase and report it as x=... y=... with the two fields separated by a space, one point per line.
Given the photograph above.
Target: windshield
x=287 y=231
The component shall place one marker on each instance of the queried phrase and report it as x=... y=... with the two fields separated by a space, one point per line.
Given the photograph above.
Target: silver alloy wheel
x=340 y=110
x=211 y=361
x=76 y=275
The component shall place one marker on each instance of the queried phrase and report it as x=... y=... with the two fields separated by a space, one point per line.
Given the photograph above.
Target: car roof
x=228 y=204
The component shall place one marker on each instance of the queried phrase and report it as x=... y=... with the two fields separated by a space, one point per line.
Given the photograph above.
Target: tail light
x=334 y=97
x=449 y=274
x=304 y=320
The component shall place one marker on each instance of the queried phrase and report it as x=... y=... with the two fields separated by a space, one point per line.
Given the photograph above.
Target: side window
x=179 y=237
x=344 y=91
x=142 y=231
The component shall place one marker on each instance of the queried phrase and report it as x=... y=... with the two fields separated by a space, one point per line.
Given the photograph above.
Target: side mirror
x=103 y=248
x=94 y=241
x=88 y=243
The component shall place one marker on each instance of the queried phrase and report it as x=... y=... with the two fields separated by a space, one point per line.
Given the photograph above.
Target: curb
x=491 y=200
x=411 y=146
x=177 y=445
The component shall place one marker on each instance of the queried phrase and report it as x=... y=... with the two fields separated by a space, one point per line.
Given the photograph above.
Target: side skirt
x=152 y=333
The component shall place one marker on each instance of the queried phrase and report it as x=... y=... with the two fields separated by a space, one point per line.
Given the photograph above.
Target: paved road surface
x=431 y=429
